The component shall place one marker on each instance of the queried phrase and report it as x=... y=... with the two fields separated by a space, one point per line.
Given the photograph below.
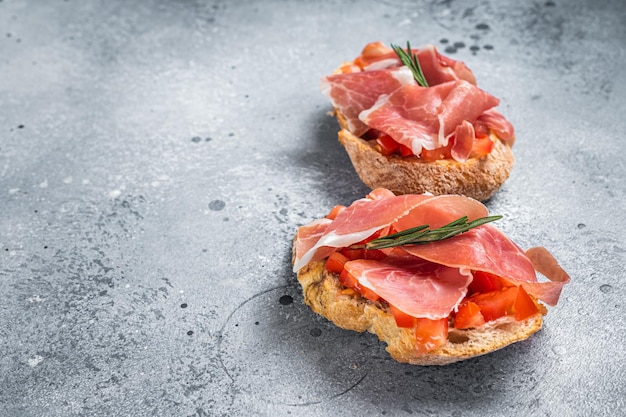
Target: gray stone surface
x=156 y=158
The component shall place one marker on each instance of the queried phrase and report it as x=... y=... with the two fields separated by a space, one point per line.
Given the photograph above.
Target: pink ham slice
x=381 y=209
x=352 y=93
x=414 y=286
x=420 y=117
x=487 y=249
x=437 y=68
x=497 y=123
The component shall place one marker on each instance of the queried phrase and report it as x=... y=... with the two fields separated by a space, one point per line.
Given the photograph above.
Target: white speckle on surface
x=85 y=181
x=155 y=183
x=13 y=190
x=35 y=299
x=68 y=180
x=35 y=360
x=43 y=184
x=115 y=193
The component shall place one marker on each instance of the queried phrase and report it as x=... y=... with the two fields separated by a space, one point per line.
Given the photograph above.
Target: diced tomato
x=496 y=304
x=387 y=144
x=443 y=152
x=335 y=262
x=482 y=147
x=468 y=316
x=352 y=254
x=367 y=293
x=507 y=301
x=402 y=319
x=334 y=212
x=405 y=150
x=485 y=282
x=524 y=306
x=347 y=279
x=430 y=334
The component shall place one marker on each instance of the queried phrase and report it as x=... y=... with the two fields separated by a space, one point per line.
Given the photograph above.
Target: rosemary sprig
x=409 y=59
x=423 y=234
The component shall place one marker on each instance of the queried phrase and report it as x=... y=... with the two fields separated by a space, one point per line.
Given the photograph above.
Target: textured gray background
x=156 y=158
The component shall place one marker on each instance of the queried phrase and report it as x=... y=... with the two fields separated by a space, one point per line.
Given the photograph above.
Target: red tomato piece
x=387 y=144
x=335 y=262
x=430 y=334
x=405 y=150
x=468 y=316
x=352 y=254
x=482 y=147
x=496 y=304
x=443 y=152
x=484 y=282
x=402 y=319
x=347 y=280
x=367 y=293
x=524 y=306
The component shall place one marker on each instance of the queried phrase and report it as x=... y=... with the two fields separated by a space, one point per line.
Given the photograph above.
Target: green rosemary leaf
x=409 y=59
x=423 y=234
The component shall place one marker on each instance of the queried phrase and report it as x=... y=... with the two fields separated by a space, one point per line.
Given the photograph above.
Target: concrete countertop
x=156 y=158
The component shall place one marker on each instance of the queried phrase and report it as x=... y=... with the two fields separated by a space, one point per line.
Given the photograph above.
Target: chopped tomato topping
x=524 y=306
x=443 y=152
x=482 y=147
x=505 y=302
x=347 y=280
x=468 y=316
x=402 y=319
x=352 y=254
x=404 y=150
x=335 y=262
x=485 y=282
x=387 y=145
x=367 y=293
x=430 y=334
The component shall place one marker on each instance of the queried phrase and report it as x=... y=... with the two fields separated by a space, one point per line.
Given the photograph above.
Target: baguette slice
x=323 y=294
x=478 y=178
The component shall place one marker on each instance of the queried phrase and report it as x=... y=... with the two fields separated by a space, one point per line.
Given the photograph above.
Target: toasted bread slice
x=478 y=178
x=323 y=294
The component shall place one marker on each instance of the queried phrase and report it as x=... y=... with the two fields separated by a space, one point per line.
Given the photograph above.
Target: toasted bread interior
x=323 y=294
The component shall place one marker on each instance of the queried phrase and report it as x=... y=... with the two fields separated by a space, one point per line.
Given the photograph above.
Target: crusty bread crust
x=478 y=178
x=323 y=293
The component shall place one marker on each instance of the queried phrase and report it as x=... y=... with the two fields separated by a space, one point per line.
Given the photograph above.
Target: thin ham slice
x=352 y=93
x=420 y=117
x=414 y=286
x=381 y=209
x=497 y=123
x=487 y=249
x=437 y=68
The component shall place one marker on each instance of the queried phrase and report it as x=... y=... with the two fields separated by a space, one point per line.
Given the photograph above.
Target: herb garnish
x=423 y=234
x=409 y=59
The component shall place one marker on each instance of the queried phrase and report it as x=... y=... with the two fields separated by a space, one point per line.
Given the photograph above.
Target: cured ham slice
x=357 y=222
x=414 y=286
x=367 y=216
x=354 y=92
x=487 y=249
x=437 y=68
x=420 y=117
x=496 y=122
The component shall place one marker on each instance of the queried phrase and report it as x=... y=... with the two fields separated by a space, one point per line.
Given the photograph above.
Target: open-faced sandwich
x=428 y=274
x=414 y=121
